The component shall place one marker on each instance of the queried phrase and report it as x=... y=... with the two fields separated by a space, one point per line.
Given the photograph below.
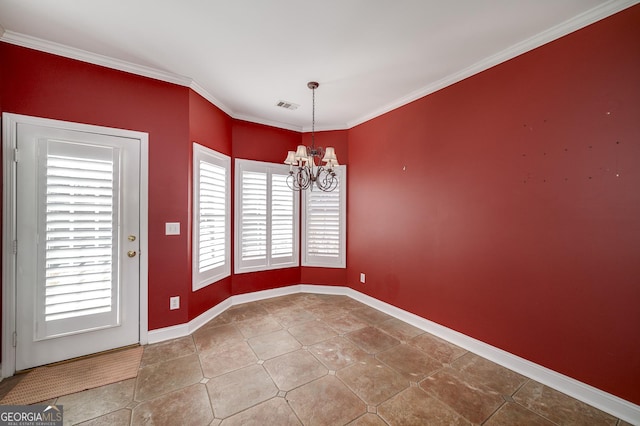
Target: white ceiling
x=369 y=56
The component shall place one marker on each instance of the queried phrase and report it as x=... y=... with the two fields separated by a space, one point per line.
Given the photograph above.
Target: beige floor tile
x=239 y=390
x=290 y=317
x=256 y=327
x=409 y=361
x=467 y=395
x=326 y=401
x=312 y=332
x=275 y=304
x=227 y=358
x=512 y=414
x=414 y=407
x=560 y=408
x=437 y=348
x=165 y=351
x=270 y=345
x=372 y=340
x=248 y=364
x=373 y=382
x=368 y=419
x=244 y=312
x=187 y=406
x=294 y=369
x=337 y=353
x=399 y=329
x=92 y=403
x=211 y=338
x=164 y=377
x=326 y=310
x=345 y=323
x=120 y=417
x=215 y=322
x=370 y=315
x=495 y=376
x=275 y=411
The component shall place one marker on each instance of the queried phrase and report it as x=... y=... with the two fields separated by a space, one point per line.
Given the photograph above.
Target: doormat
x=48 y=382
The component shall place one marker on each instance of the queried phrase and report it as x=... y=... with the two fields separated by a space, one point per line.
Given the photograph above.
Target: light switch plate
x=362 y=277
x=174 y=302
x=172 y=228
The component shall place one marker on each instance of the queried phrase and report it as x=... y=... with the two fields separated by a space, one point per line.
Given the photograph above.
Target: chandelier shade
x=304 y=171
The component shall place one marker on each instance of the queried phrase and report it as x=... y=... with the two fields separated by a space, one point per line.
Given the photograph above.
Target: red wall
x=338 y=139
x=44 y=85
x=263 y=143
x=507 y=206
x=210 y=127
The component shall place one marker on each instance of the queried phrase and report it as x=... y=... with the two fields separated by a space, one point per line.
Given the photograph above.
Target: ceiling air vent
x=287 y=105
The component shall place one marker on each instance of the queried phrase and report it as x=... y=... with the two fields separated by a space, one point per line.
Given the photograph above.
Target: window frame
x=340 y=261
x=270 y=263
x=199 y=279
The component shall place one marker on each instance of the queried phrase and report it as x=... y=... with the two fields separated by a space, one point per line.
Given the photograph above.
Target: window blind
x=253 y=225
x=211 y=217
x=324 y=223
x=281 y=217
x=212 y=224
x=79 y=236
x=267 y=217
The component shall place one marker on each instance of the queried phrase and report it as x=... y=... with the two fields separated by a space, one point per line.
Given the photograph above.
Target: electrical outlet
x=362 y=277
x=174 y=302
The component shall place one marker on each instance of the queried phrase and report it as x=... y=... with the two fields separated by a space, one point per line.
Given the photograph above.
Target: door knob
x=131 y=253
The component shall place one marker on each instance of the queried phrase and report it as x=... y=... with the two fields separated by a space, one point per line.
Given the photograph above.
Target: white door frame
x=9 y=143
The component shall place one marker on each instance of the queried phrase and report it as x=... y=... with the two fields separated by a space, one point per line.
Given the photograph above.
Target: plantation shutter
x=212 y=202
x=266 y=217
x=282 y=222
x=253 y=225
x=211 y=222
x=79 y=245
x=324 y=225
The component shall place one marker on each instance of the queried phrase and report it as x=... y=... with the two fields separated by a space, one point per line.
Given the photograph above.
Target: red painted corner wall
x=43 y=85
x=507 y=206
x=258 y=142
x=337 y=139
x=210 y=127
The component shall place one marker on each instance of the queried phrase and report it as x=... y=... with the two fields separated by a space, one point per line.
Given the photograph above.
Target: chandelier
x=303 y=170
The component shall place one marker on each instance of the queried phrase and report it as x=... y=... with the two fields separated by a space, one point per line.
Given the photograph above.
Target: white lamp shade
x=291 y=159
x=330 y=155
x=301 y=152
x=332 y=164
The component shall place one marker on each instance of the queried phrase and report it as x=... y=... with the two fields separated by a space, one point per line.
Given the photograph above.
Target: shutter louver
x=323 y=223
x=212 y=217
x=211 y=232
x=281 y=217
x=79 y=237
x=267 y=218
x=254 y=216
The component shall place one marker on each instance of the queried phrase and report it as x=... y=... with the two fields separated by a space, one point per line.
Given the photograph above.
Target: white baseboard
x=604 y=401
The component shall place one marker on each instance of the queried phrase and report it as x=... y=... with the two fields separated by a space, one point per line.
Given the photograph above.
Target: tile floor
x=316 y=359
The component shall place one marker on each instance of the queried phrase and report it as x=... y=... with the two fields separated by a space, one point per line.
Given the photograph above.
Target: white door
x=77 y=231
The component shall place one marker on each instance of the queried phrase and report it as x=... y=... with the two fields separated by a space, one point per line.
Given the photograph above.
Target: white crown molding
x=209 y=97
x=92 y=58
x=271 y=123
x=577 y=22
x=602 y=400
x=580 y=21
